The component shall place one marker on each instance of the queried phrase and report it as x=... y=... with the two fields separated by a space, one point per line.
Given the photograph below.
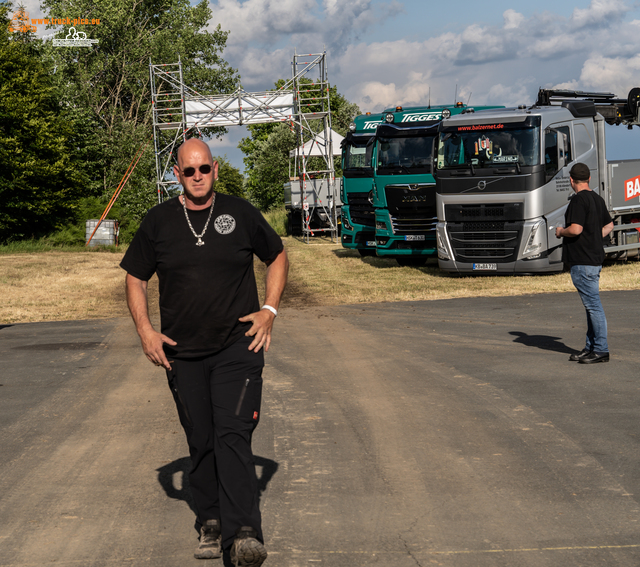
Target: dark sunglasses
x=191 y=171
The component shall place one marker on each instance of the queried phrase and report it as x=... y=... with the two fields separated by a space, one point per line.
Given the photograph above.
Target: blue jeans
x=587 y=282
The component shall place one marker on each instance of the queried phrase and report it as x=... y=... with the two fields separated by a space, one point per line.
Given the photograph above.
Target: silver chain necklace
x=198 y=236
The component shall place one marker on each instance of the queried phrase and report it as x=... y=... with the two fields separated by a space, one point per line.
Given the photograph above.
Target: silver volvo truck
x=502 y=181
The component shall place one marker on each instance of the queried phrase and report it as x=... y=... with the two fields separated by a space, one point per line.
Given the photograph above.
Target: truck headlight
x=535 y=244
x=381 y=225
x=443 y=248
x=345 y=223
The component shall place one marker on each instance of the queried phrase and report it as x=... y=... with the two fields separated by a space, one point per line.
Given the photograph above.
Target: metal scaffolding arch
x=302 y=101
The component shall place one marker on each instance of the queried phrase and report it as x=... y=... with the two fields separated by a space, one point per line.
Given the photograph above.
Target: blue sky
x=387 y=52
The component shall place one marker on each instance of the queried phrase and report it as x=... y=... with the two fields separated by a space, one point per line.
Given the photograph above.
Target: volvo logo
x=482 y=185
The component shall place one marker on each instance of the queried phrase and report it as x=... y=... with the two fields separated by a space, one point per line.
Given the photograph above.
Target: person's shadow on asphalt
x=167 y=472
x=544 y=342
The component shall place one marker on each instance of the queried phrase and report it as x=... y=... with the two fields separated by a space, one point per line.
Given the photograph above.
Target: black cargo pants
x=218 y=399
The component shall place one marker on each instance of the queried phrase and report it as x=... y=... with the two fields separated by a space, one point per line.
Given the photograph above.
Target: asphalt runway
x=450 y=432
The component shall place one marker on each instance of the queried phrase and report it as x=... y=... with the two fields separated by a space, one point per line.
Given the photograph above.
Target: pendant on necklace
x=199 y=243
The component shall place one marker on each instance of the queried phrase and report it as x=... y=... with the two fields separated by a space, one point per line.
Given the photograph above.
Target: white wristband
x=272 y=309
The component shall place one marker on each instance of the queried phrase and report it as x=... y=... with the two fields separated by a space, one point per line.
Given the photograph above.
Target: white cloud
x=599 y=13
x=618 y=75
x=263 y=21
x=512 y=19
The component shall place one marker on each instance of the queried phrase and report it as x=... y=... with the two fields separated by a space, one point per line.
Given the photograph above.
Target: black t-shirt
x=589 y=210
x=203 y=289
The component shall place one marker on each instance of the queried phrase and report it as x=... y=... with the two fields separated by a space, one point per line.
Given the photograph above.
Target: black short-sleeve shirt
x=589 y=210
x=203 y=289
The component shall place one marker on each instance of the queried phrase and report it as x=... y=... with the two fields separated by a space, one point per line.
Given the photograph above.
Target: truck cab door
x=556 y=152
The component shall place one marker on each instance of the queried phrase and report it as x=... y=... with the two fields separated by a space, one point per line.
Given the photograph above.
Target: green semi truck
x=404 y=196
x=358 y=215
x=388 y=190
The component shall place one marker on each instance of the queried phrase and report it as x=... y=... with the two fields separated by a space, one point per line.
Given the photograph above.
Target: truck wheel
x=294 y=224
x=411 y=261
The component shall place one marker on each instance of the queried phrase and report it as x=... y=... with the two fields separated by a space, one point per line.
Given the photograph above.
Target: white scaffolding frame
x=302 y=102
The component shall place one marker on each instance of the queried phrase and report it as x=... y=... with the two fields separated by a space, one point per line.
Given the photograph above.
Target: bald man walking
x=213 y=332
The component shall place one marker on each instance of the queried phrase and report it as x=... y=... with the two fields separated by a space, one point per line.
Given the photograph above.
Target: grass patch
x=63 y=285
x=326 y=274
x=39 y=284
x=47 y=245
x=277 y=218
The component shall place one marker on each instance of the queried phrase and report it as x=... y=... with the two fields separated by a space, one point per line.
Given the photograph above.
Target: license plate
x=414 y=237
x=485 y=266
x=371 y=243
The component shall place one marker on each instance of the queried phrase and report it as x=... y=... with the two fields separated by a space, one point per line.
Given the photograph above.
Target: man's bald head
x=193 y=145
x=197 y=172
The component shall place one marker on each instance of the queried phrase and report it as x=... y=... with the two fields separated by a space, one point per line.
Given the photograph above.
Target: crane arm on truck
x=614 y=110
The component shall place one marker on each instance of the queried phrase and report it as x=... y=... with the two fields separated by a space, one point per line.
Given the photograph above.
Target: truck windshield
x=356 y=152
x=410 y=154
x=490 y=145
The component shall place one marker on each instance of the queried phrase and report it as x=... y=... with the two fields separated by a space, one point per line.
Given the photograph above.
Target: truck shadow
x=430 y=267
x=167 y=478
x=544 y=342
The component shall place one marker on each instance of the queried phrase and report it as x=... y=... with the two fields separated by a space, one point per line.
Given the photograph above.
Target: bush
x=277 y=218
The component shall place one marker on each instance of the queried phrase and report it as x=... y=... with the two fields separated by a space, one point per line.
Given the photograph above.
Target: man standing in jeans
x=587 y=223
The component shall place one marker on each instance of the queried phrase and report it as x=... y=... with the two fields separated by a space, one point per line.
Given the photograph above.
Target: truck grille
x=479 y=241
x=412 y=208
x=413 y=224
x=361 y=210
x=489 y=212
x=485 y=231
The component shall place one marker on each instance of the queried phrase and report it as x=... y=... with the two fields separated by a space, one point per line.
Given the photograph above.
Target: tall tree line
x=72 y=118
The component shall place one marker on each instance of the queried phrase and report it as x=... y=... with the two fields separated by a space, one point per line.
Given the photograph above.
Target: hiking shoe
x=246 y=550
x=210 y=541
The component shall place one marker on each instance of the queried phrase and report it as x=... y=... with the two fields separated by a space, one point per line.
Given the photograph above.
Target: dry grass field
x=48 y=286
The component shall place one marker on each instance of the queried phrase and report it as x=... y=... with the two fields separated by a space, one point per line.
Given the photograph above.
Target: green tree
x=267 y=150
x=40 y=181
x=230 y=180
x=108 y=84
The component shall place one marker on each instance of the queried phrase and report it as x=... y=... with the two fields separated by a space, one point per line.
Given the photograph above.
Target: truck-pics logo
x=20 y=22
x=632 y=188
x=75 y=39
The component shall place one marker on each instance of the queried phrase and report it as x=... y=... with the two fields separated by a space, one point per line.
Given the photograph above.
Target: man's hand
x=152 y=342
x=262 y=323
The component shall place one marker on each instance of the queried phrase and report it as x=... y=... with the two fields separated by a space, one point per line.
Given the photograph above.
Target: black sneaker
x=210 y=541
x=575 y=357
x=246 y=550
x=595 y=357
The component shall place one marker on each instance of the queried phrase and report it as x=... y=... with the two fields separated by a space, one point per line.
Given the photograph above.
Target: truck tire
x=294 y=223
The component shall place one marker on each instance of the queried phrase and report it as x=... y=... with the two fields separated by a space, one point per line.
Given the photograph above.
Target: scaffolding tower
x=303 y=102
